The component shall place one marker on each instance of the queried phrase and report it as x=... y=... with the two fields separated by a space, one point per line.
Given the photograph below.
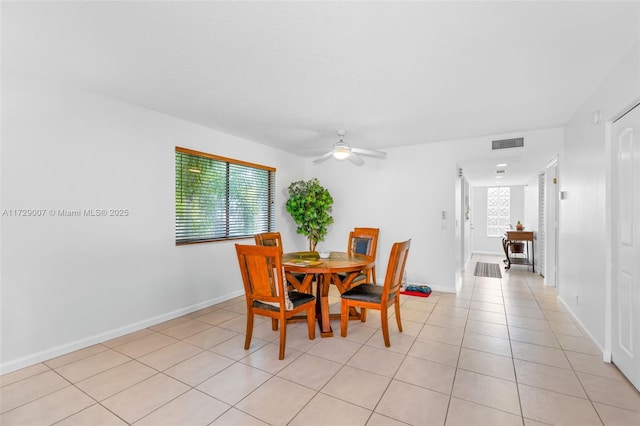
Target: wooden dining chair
x=274 y=239
x=269 y=239
x=372 y=296
x=364 y=241
x=266 y=294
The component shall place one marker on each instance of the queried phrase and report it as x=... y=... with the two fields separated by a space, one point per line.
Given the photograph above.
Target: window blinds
x=219 y=198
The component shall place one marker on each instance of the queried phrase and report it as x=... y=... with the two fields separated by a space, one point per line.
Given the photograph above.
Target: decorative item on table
x=302 y=262
x=324 y=254
x=519 y=226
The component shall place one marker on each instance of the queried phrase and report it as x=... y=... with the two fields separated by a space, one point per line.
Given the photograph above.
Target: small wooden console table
x=512 y=243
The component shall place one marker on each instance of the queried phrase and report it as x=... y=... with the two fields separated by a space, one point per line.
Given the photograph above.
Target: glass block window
x=498 y=211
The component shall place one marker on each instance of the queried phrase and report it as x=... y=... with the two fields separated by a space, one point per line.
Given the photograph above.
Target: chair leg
x=385 y=327
x=283 y=338
x=397 y=309
x=363 y=315
x=274 y=324
x=311 y=322
x=249 y=332
x=344 y=318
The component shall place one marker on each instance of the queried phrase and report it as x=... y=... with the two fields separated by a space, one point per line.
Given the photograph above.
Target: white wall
x=466 y=219
x=530 y=207
x=480 y=243
x=68 y=282
x=583 y=229
x=403 y=195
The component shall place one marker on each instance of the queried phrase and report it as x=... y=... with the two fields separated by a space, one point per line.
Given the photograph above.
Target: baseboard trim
x=57 y=351
x=585 y=331
x=458 y=283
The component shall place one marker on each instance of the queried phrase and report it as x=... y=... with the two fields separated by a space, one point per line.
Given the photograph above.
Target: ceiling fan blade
x=323 y=158
x=369 y=152
x=355 y=159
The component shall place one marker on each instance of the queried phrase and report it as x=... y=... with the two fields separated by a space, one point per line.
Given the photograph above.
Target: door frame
x=608 y=268
x=552 y=215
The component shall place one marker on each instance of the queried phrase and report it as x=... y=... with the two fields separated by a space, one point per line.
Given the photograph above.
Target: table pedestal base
x=340 y=269
x=322 y=303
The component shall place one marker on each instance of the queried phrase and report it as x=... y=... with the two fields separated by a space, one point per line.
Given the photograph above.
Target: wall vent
x=508 y=143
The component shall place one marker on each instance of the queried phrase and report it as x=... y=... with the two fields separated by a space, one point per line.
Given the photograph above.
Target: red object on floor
x=415 y=293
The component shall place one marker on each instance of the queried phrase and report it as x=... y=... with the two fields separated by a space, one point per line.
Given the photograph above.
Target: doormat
x=417 y=290
x=491 y=270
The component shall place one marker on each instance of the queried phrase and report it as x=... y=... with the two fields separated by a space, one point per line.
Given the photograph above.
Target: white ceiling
x=289 y=74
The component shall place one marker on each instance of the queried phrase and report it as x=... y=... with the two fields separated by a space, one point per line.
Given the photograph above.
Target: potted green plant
x=309 y=204
x=519 y=226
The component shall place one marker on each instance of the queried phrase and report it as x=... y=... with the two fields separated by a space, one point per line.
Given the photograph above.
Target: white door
x=625 y=216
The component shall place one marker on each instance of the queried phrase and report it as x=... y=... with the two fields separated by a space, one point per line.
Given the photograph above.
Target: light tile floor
x=500 y=352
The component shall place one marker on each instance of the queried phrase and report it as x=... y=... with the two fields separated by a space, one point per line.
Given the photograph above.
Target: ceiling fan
x=341 y=151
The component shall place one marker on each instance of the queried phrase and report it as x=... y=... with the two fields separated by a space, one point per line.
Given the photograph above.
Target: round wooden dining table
x=326 y=272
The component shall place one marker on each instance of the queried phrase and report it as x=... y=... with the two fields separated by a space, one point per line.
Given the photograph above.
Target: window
x=219 y=198
x=498 y=211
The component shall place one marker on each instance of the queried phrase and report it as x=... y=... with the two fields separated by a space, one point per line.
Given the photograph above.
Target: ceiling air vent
x=508 y=143
x=501 y=171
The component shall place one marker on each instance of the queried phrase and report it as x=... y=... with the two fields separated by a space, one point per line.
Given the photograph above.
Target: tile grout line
x=513 y=360
x=455 y=374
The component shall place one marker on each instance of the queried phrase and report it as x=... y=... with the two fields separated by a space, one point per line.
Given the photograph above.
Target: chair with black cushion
x=372 y=296
x=266 y=294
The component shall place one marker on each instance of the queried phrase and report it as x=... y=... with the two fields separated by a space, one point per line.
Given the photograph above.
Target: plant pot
x=517 y=247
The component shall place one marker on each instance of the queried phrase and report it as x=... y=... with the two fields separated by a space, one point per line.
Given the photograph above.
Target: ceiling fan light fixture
x=341 y=152
x=340 y=149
